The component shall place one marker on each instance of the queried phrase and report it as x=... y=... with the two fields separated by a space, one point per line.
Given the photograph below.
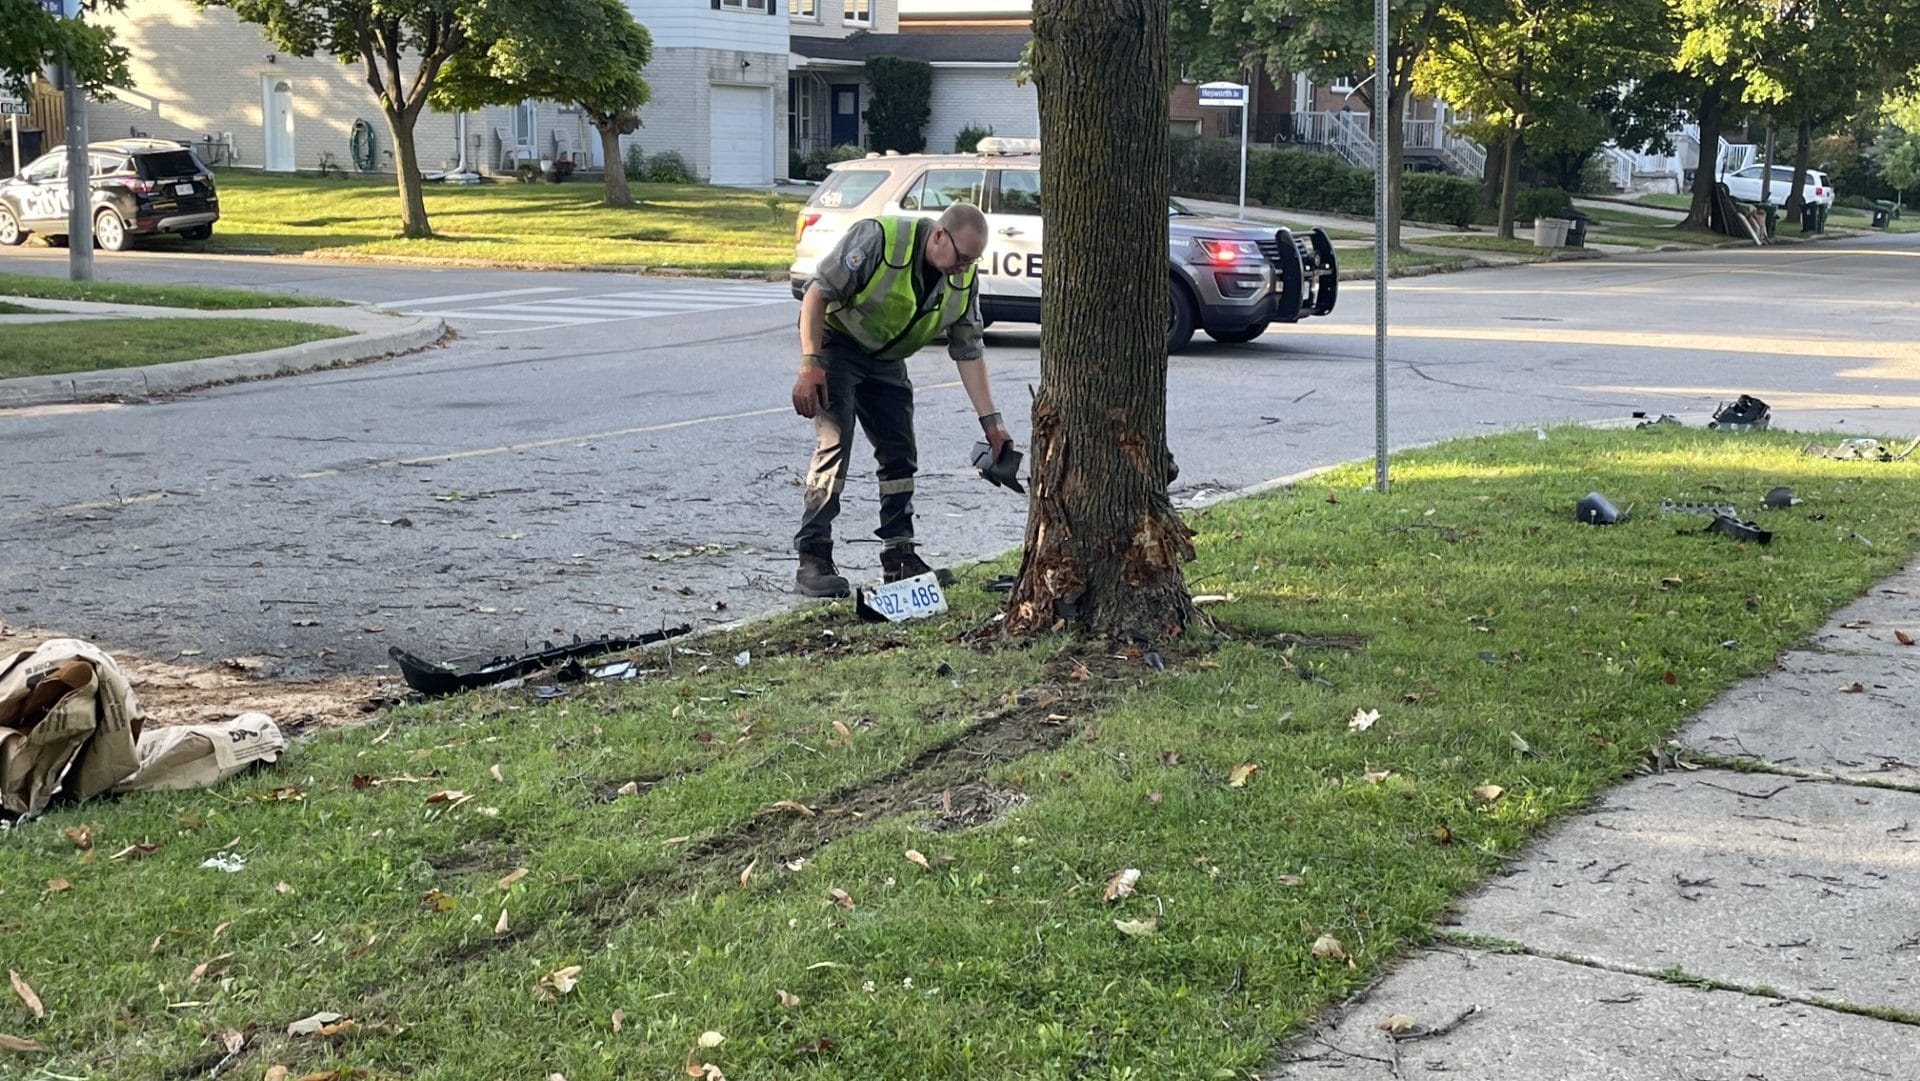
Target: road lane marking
x=1747 y=345
x=455 y=298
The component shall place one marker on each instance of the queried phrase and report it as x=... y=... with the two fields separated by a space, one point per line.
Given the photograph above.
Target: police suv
x=139 y=187
x=1229 y=279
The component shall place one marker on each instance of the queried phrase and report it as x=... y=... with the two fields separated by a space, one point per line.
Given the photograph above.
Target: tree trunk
x=1509 y=178
x=616 y=190
x=406 y=163
x=1802 y=160
x=1493 y=176
x=1704 y=177
x=1104 y=546
x=1396 y=161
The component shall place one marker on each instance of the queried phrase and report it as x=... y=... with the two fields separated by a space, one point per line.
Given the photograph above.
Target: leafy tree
x=1900 y=162
x=588 y=52
x=902 y=103
x=34 y=39
x=383 y=36
x=1105 y=547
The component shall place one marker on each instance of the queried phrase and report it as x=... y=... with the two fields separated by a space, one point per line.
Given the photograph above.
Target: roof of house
x=936 y=47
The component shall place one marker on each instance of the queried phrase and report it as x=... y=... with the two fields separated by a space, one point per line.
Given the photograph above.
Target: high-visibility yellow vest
x=889 y=319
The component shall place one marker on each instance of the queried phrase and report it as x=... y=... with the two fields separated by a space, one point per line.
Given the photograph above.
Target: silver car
x=1230 y=279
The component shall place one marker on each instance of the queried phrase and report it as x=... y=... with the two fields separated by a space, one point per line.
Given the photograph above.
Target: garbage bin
x=1773 y=218
x=1550 y=232
x=1576 y=229
x=1882 y=214
x=1813 y=217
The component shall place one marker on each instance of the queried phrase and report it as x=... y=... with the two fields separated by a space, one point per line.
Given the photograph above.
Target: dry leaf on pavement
x=914 y=857
x=1851 y=688
x=1397 y=1023
x=1327 y=946
x=1138 y=928
x=26 y=994
x=840 y=897
x=1121 y=885
x=1241 y=774
x=1487 y=793
x=1362 y=720
x=1903 y=638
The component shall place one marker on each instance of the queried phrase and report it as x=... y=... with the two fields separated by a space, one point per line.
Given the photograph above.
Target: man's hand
x=998 y=439
x=810 y=391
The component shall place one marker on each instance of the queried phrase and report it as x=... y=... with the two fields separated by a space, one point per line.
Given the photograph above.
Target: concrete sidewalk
x=371 y=333
x=1757 y=922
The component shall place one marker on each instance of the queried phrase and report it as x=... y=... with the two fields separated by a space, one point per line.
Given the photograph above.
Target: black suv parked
x=140 y=187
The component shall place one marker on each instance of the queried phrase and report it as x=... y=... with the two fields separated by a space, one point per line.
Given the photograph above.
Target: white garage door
x=742 y=135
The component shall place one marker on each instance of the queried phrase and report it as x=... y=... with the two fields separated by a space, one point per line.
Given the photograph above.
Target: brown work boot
x=817 y=576
x=903 y=562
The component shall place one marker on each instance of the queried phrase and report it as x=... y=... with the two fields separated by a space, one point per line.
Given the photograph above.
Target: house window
x=799 y=113
x=858 y=12
x=525 y=125
x=804 y=9
x=745 y=5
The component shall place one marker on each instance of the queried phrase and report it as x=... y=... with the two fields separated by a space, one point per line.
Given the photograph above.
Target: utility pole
x=79 y=173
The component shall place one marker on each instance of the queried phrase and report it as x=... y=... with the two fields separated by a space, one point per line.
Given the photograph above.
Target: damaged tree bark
x=1104 y=546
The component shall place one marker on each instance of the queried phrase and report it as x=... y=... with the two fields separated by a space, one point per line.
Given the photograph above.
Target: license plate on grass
x=183 y=189
x=909 y=598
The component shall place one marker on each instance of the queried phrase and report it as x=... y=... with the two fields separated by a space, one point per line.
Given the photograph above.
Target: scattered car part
x=919 y=597
x=1664 y=420
x=1002 y=584
x=436 y=680
x=1739 y=530
x=1781 y=498
x=1745 y=413
x=1596 y=509
x=1004 y=472
x=1711 y=510
x=1851 y=450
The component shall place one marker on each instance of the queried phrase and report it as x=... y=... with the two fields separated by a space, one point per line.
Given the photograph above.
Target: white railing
x=1420 y=134
x=1735 y=156
x=1352 y=139
x=1620 y=167
x=1350 y=135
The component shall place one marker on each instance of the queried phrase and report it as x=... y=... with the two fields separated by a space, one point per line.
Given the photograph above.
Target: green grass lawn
x=165 y=296
x=1483 y=242
x=1908 y=222
x=1668 y=202
x=1356 y=263
x=932 y=903
x=693 y=227
x=90 y=345
x=18 y=309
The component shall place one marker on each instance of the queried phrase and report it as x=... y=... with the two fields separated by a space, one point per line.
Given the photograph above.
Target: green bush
x=1540 y=203
x=902 y=96
x=636 y=163
x=669 y=168
x=1854 y=202
x=817 y=162
x=1436 y=197
x=796 y=165
x=1204 y=167
x=969 y=138
x=1595 y=179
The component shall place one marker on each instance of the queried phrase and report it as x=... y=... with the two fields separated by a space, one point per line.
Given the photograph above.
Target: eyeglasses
x=961 y=258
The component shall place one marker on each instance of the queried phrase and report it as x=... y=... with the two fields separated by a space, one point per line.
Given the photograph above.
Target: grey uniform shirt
x=852 y=264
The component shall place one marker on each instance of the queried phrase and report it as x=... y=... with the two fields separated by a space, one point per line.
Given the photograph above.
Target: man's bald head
x=964 y=220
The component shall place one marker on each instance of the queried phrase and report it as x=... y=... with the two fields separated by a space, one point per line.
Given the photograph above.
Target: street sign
x=1226 y=95
x=13 y=108
x=54 y=7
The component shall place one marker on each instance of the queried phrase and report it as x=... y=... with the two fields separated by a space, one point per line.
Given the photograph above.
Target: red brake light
x=806 y=221
x=141 y=186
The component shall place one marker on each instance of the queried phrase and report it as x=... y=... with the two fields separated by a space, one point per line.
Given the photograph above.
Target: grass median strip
x=19 y=309
x=90 y=345
x=820 y=849
x=203 y=297
x=691 y=226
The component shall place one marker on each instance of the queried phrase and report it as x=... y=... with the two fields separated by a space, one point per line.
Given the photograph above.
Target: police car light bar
x=996 y=145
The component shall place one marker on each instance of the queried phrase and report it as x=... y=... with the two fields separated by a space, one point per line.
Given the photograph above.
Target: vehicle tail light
x=1819 y=191
x=802 y=224
x=1220 y=251
x=141 y=186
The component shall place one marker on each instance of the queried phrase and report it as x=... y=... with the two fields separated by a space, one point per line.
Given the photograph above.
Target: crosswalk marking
x=541 y=307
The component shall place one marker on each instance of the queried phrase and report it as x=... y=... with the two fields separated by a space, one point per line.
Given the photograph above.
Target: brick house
x=718 y=76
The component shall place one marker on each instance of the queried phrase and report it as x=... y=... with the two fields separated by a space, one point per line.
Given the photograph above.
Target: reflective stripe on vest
x=888 y=318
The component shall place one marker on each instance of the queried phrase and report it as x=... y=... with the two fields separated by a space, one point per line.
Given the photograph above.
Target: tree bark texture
x=406 y=164
x=1704 y=177
x=615 y=192
x=1509 y=178
x=1104 y=545
x=1802 y=161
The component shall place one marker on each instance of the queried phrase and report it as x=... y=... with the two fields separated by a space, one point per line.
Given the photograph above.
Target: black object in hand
x=1005 y=471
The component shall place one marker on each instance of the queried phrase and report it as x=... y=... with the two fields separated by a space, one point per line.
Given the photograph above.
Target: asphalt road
x=603 y=453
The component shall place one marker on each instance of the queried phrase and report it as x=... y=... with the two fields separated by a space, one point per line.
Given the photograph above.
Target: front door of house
x=278 y=113
x=846 y=114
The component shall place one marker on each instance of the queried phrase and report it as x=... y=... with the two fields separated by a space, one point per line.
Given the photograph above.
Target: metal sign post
x=14 y=110
x=1382 y=93
x=1226 y=96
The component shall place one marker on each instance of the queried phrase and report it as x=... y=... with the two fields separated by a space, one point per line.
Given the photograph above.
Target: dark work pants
x=880 y=396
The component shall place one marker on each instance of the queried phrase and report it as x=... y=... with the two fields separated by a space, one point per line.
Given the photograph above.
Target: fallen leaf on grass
x=1362 y=720
x=311 y=1026
x=1290 y=880
x=26 y=994
x=1519 y=743
x=631 y=788
x=1851 y=688
x=711 y=1039
x=841 y=897
x=446 y=795
x=1903 y=638
x=680 y=840
x=233 y=1041
x=500 y=925
x=135 y=852
x=705 y=1071
x=1487 y=793
x=792 y=807
x=495 y=771
x=788 y=1000
x=1670 y=679
x=1397 y=1023
x=1329 y=947
x=1376 y=776
x=746 y=872
x=81 y=836
x=1154 y=797
x=619 y=1021
x=1241 y=774
x=513 y=876
x=15 y=1043
x=220 y=930
x=1121 y=885
x=558 y=983
x=58 y=885
x=914 y=857
x=846 y=734
x=282 y=888
x=435 y=901
x=200 y=969
x=1138 y=928
x=276 y=1073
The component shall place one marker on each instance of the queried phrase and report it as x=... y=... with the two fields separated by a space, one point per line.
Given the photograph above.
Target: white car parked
x=1745 y=185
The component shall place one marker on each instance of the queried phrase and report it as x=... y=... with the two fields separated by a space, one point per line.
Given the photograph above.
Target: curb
x=416 y=332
